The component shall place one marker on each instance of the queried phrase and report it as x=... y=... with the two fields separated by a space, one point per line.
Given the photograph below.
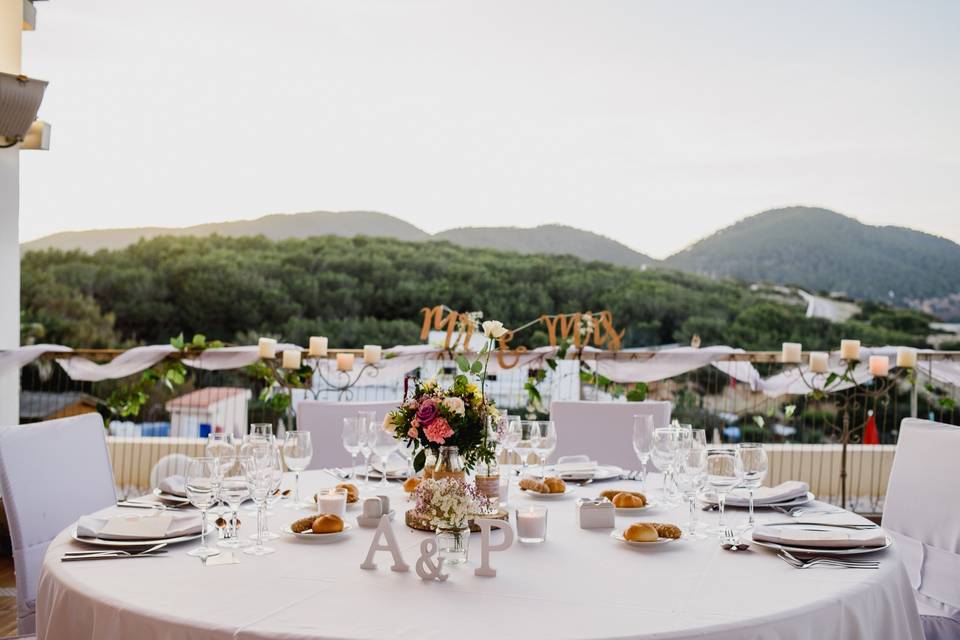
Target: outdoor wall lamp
x=20 y=99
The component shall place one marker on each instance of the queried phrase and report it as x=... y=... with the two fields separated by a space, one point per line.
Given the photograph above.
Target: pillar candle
x=318 y=346
x=791 y=352
x=267 y=348
x=291 y=359
x=333 y=501
x=532 y=524
x=879 y=366
x=818 y=361
x=371 y=353
x=850 y=349
x=906 y=357
x=345 y=361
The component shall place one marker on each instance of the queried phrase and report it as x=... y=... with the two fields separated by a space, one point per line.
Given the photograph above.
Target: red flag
x=870 y=433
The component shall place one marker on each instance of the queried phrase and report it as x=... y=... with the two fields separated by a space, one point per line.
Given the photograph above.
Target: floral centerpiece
x=447 y=505
x=436 y=417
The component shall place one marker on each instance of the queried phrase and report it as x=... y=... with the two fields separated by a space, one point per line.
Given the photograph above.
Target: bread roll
x=610 y=494
x=327 y=523
x=556 y=485
x=410 y=484
x=666 y=530
x=353 y=494
x=529 y=484
x=641 y=532
x=303 y=524
x=628 y=501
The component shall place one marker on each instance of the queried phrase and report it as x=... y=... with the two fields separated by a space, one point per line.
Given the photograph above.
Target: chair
x=921 y=513
x=603 y=430
x=51 y=473
x=169 y=465
x=324 y=421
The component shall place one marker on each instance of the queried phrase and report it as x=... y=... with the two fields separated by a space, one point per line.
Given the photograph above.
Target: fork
x=155 y=550
x=797 y=563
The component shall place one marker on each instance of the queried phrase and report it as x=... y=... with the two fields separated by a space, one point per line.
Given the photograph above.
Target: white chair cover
x=169 y=465
x=922 y=513
x=51 y=473
x=603 y=430
x=324 y=421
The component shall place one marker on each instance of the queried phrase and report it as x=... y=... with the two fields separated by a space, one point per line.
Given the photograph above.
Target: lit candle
x=532 y=524
x=906 y=357
x=267 y=348
x=850 y=349
x=791 y=352
x=371 y=353
x=345 y=361
x=818 y=361
x=879 y=366
x=332 y=501
x=318 y=346
x=291 y=359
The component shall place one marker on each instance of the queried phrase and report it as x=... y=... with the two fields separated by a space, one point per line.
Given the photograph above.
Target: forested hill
x=371 y=290
x=823 y=250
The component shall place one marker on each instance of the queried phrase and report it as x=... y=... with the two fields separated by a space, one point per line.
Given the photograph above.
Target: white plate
x=602 y=472
x=796 y=502
x=618 y=535
x=819 y=551
x=319 y=537
x=169 y=497
x=633 y=511
x=536 y=495
x=119 y=544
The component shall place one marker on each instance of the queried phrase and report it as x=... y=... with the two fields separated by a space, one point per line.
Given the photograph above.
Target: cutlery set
x=819 y=561
x=110 y=554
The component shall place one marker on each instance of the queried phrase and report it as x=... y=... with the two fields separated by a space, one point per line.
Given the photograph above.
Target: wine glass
x=529 y=434
x=382 y=444
x=692 y=473
x=234 y=489
x=264 y=429
x=274 y=496
x=512 y=437
x=546 y=443
x=643 y=444
x=260 y=482
x=202 y=482
x=350 y=435
x=751 y=469
x=666 y=443
x=257 y=445
x=365 y=419
x=220 y=447
x=722 y=477
x=297 y=453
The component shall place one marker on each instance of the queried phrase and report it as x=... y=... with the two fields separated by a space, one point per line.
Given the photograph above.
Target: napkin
x=139 y=527
x=783 y=492
x=174 y=485
x=820 y=536
x=576 y=464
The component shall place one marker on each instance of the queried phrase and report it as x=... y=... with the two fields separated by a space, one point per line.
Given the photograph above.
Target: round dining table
x=578 y=584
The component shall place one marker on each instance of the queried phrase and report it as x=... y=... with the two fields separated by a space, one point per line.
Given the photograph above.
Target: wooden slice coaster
x=420 y=523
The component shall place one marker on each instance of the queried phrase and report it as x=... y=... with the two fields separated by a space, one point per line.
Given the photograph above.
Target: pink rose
x=438 y=430
x=427 y=412
x=412 y=432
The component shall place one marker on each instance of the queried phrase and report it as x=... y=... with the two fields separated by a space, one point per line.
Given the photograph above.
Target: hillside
x=822 y=250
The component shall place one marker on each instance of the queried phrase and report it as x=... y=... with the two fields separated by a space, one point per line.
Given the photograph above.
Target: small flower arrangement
x=448 y=502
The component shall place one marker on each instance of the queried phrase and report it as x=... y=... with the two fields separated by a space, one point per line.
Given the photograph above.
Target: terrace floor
x=8 y=603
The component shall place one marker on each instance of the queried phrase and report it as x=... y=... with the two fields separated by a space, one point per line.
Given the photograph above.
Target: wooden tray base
x=418 y=522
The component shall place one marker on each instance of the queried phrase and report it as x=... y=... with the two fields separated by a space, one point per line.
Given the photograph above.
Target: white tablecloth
x=579 y=584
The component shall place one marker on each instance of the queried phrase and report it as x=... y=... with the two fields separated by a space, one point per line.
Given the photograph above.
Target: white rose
x=388 y=423
x=454 y=404
x=493 y=329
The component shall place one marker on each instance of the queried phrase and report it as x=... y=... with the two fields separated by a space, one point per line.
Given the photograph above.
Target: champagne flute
x=691 y=474
x=274 y=496
x=297 y=453
x=382 y=444
x=202 y=482
x=350 y=436
x=722 y=477
x=643 y=444
x=546 y=443
x=234 y=488
x=666 y=443
x=365 y=418
x=260 y=481
x=511 y=438
x=220 y=447
x=751 y=470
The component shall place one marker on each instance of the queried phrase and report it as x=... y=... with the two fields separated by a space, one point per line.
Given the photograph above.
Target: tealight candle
x=371 y=353
x=791 y=352
x=819 y=361
x=345 y=362
x=291 y=359
x=850 y=349
x=906 y=357
x=332 y=501
x=879 y=366
x=267 y=348
x=532 y=524
x=318 y=346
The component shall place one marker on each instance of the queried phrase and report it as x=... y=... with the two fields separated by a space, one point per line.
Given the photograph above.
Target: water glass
x=263 y=429
x=751 y=469
x=260 y=481
x=350 y=435
x=382 y=444
x=526 y=443
x=722 y=477
x=274 y=496
x=234 y=489
x=297 y=453
x=546 y=443
x=202 y=482
x=692 y=474
x=643 y=444
x=220 y=447
x=666 y=447
x=365 y=419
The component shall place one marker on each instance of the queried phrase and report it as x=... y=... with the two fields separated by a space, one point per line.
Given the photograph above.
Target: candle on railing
x=850 y=349
x=345 y=362
x=371 y=353
x=267 y=348
x=906 y=357
x=318 y=346
x=819 y=361
x=291 y=359
x=791 y=352
x=879 y=366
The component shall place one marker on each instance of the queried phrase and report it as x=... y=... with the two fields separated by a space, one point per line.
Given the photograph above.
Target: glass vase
x=453 y=544
x=449 y=464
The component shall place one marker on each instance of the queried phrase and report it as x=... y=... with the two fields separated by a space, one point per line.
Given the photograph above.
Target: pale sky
x=654 y=123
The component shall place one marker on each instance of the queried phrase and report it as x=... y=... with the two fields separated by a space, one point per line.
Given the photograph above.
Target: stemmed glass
x=529 y=434
x=234 y=489
x=274 y=496
x=382 y=444
x=297 y=453
x=364 y=420
x=722 y=477
x=351 y=437
x=692 y=473
x=643 y=444
x=666 y=446
x=511 y=438
x=202 y=482
x=546 y=443
x=261 y=480
x=264 y=429
x=751 y=470
x=220 y=447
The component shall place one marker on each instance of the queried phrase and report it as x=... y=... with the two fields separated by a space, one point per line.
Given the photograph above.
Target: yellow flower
x=472 y=388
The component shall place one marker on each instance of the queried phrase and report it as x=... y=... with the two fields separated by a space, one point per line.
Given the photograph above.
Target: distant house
x=48 y=405
x=223 y=408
